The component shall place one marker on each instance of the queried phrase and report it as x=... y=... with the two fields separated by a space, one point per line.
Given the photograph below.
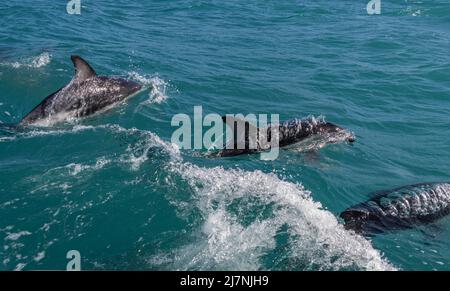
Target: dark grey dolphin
x=86 y=94
x=400 y=208
x=289 y=133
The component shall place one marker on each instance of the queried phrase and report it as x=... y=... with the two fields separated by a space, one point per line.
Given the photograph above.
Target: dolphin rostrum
x=85 y=95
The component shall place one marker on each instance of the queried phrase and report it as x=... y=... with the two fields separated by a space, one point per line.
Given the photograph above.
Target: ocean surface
x=115 y=188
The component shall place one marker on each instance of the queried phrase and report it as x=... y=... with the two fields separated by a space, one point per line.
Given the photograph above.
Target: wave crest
x=232 y=240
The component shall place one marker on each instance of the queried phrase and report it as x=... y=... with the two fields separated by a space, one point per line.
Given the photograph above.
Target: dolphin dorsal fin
x=83 y=70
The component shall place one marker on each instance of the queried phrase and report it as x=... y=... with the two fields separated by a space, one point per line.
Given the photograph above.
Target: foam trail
x=138 y=153
x=75 y=168
x=316 y=240
x=135 y=155
x=39 y=61
x=7 y=130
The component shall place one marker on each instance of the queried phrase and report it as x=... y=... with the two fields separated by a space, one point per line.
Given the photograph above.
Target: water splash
x=242 y=214
x=158 y=87
x=39 y=61
x=230 y=240
x=136 y=154
x=76 y=168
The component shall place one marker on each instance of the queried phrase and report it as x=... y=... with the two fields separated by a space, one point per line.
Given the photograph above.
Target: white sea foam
x=39 y=256
x=17 y=235
x=39 y=132
x=317 y=240
x=138 y=153
x=227 y=239
x=20 y=266
x=32 y=62
x=416 y=13
x=158 y=87
x=76 y=168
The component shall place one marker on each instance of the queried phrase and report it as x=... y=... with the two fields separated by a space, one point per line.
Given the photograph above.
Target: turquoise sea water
x=114 y=188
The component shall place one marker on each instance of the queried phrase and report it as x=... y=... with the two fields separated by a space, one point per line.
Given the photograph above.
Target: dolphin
x=400 y=208
x=290 y=133
x=86 y=94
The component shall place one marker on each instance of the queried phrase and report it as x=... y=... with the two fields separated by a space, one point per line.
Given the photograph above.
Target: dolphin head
x=333 y=128
x=356 y=218
x=128 y=87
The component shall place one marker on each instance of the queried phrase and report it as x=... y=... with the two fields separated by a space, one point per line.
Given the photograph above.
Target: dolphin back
x=400 y=208
x=84 y=95
x=40 y=111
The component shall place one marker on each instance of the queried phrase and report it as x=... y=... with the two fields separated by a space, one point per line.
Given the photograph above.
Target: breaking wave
x=246 y=216
x=230 y=238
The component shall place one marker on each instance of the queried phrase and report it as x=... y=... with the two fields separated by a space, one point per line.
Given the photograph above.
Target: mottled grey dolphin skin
x=86 y=94
x=289 y=133
x=400 y=208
